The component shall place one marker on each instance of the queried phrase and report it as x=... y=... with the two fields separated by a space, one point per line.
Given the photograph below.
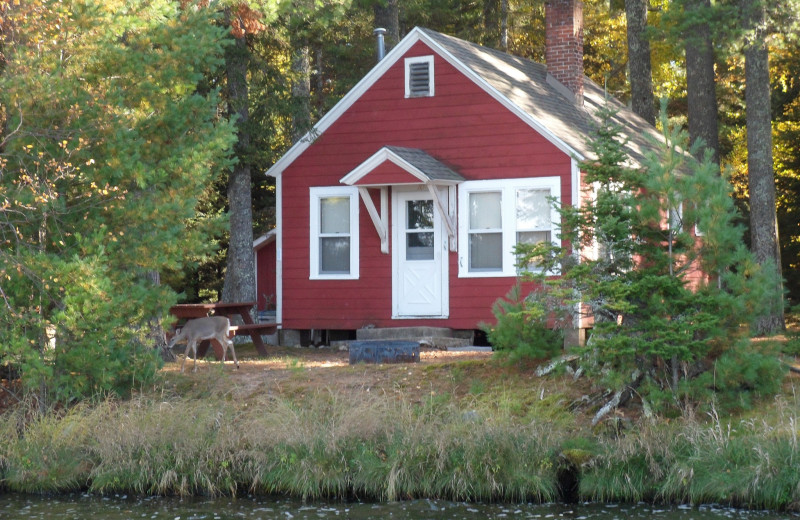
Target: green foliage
x=109 y=150
x=521 y=330
x=665 y=302
x=742 y=375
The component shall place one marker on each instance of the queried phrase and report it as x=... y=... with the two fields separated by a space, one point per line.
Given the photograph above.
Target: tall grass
x=750 y=463
x=380 y=447
x=321 y=446
x=46 y=457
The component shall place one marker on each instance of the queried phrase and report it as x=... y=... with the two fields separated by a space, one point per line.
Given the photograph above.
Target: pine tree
x=665 y=302
x=107 y=148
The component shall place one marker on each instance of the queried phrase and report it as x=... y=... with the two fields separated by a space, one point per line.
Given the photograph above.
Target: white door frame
x=399 y=198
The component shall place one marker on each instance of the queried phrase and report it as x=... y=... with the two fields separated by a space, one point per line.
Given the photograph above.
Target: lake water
x=81 y=507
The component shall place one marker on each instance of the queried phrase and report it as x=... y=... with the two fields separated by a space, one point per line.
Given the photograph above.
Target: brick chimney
x=564 y=45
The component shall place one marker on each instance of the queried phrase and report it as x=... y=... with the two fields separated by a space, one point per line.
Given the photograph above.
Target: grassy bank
x=460 y=430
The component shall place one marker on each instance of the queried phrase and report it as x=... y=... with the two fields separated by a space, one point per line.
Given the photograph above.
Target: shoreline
x=462 y=430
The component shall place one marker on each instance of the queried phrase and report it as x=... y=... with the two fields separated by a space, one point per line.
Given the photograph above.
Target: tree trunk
x=504 y=25
x=491 y=22
x=761 y=177
x=301 y=91
x=301 y=69
x=240 y=275
x=700 y=84
x=639 y=66
x=387 y=15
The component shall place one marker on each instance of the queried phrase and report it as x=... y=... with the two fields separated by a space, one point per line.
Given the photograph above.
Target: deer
x=199 y=329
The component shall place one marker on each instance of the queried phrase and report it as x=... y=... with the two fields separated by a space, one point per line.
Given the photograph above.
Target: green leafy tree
x=666 y=304
x=107 y=148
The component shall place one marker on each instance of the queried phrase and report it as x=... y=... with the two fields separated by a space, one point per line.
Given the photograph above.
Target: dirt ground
x=309 y=369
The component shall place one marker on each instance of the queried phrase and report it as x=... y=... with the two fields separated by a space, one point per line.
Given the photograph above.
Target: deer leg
x=224 y=344
x=185 y=355
x=194 y=349
x=233 y=351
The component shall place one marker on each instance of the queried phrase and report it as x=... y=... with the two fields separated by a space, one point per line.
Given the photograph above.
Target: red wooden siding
x=463 y=127
x=387 y=173
x=265 y=267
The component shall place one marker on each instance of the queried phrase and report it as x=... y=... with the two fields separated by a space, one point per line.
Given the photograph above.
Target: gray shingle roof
x=428 y=165
x=525 y=84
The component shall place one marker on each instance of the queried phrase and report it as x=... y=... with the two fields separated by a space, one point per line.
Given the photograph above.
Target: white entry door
x=419 y=281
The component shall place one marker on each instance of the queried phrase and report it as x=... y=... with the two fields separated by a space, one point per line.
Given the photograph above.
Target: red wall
x=461 y=126
x=265 y=283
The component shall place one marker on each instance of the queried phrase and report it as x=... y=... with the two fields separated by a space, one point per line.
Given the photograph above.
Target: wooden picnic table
x=187 y=311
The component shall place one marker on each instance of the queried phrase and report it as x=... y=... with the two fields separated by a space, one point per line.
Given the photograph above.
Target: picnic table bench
x=187 y=311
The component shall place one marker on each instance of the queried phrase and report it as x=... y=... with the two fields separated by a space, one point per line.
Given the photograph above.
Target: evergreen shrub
x=521 y=330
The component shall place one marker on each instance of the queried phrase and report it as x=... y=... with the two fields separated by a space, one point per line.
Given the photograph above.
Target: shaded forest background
x=307 y=54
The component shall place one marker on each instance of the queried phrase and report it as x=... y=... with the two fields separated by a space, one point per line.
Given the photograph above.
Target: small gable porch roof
x=395 y=165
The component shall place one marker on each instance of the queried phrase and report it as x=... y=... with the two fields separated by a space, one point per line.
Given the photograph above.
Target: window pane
x=334 y=255
x=420 y=214
x=334 y=215
x=533 y=209
x=419 y=246
x=486 y=252
x=533 y=237
x=484 y=211
x=676 y=218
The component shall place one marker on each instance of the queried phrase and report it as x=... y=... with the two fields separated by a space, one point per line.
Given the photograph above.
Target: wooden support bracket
x=379 y=220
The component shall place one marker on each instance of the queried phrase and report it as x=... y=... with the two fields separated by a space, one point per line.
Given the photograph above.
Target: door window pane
x=419 y=214
x=419 y=246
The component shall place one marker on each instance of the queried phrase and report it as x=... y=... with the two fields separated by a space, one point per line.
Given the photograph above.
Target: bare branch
x=5 y=298
x=6 y=138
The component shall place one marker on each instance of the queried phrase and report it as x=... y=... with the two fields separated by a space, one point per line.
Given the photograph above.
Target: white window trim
x=508 y=205
x=698 y=232
x=313 y=246
x=675 y=218
x=431 y=82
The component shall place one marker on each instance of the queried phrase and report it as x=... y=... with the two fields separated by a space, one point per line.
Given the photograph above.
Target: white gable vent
x=419 y=76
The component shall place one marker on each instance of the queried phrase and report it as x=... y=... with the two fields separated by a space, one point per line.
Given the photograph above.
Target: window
x=333 y=246
x=496 y=215
x=675 y=221
x=534 y=221
x=485 y=231
x=419 y=77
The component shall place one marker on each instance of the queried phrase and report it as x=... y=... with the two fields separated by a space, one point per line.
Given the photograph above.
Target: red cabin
x=402 y=206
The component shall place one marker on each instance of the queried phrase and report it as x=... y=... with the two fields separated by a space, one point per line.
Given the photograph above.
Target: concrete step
x=402 y=332
x=432 y=337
